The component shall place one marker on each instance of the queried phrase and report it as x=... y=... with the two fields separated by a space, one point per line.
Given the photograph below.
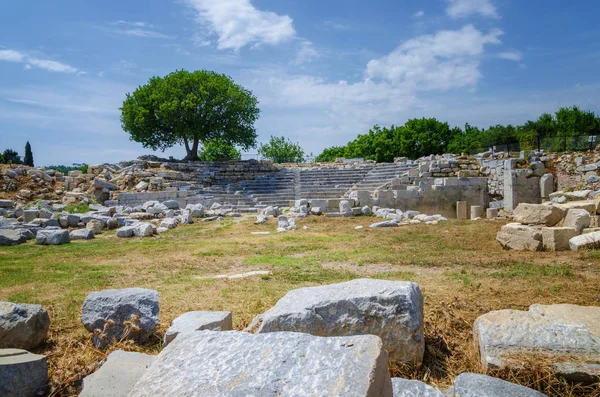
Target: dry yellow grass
x=462 y=271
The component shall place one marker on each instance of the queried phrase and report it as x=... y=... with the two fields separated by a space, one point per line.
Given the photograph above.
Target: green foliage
x=189 y=108
x=465 y=141
x=64 y=169
x=218 y=150
x=330 y=154
x=2 y=161
x=28 y=159
x=11 y=157
x=280 y=150
x=77 y=208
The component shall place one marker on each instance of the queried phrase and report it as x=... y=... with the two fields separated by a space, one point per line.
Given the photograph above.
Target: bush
x=218 y=150
x=77 y=208
x=280 y=150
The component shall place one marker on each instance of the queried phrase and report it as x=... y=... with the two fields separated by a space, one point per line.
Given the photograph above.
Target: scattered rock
x=22 y=373
x=125 y=231
x=585 y=241
x=562 y=334
x=392 y=310
x=95 y=226
x=198 y=321
x=413 y=388
x=169 y=223
x=538 y=214
x=520 y=237
x=81 y=234
x=10 y=237
x=106 y=314
x=577 y=219
x=557 y=238
x=236 y=363
x=477 y=385
x=52 y=237
x=196 y=210
x=578 y=195
x=22 y=326
x=391 y=223
x=171 y=204
x=143 y=229
x=117 y=376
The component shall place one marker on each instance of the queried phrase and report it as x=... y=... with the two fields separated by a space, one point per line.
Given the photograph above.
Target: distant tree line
x=10 y=156
x=567 y=129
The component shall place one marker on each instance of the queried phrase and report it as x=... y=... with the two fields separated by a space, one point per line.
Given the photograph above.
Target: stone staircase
x=330 y=182
x=383 y=173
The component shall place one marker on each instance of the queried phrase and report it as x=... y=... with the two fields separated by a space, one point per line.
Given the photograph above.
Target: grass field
x=460 y=268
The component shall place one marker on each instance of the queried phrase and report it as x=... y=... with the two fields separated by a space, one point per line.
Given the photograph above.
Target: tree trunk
x=192 y=153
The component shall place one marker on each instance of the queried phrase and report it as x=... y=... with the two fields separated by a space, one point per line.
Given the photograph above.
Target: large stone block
x=198 y=321
x=546 y=185
x=114 y=313
x=392 y=310
x=538 y=214
x=22 y=374
x=10 y=237
x=557 y=238
x=520 y=237
x=22 y=326
x=577 y=219
x=585 y=241
x=478 y=385
x=413 y=388
x=117 y=376
x=81 y=234
x=566 y=336
x=52 y=237
x=232 y=363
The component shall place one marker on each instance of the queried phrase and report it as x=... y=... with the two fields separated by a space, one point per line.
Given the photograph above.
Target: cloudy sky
x=323 y=70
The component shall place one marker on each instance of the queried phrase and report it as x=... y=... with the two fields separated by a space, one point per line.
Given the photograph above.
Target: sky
x=324 y=71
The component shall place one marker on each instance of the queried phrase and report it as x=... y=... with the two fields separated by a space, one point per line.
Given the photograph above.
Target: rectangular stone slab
x=283 y=364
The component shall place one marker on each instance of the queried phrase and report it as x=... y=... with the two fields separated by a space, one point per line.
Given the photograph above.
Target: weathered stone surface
x=11 y=237
x=81 y=234
x=538 y=214
x=578 y=195
x=232 y=363
x=30 y=215
x=99 y=183
x=566 y=334
x=125 y=231
x=22 y=326
x=196 y=210
x=117 y=376
x=143 y=229
x=271 y=211
x=95 y=226
x=413 y=388
x=546 y=185
x=577 y=219
x=477 y=385
x=392 y=310
x=587 y=205
x=520 y=237
x=171 y=204
x=7 y=204
x=52 y=237
x=138 y=305
x=557 y=238
x=169 y=223
x=22 y=374
x=198 y=321
x=391 y=223
x=585 y=241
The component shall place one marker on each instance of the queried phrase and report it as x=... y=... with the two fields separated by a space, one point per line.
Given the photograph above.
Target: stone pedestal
x=461 y=210
x=476 y=211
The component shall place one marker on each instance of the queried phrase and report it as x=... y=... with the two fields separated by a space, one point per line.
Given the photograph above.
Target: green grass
x=79 y=208
x=532 y=271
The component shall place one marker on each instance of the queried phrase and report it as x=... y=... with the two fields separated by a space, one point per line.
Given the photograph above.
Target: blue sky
x=323 y=70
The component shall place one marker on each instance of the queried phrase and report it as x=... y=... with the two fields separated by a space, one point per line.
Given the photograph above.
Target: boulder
x=30 y=215
x=169 y=223
x=185 y=218
x=271 y=211
x=196 y=210
x=345 y=206
x=520 y=237
x=567 y=336
x=585 y=241
x=477 y=385
x=161 y=230
x=22 y=373
x=413 y=388
x=577 y=219
x=143 y=229
x=7 y=204
x=557 y=238
x=171 y=204
x=99 y=183
x=108 y=313
x=260 y=219
x=117 y=376
x=95 y=226
x=22 y=326
x=198 y=321
x=233 y=363
x=366 y=211
x=10 y=237
x=52 y=237
x=141 y=186
x=392 y=310
x=125 y=231
x=577 y=195
x=587 y=205
x=392 y=223
x=538 y=214
x=81 y=234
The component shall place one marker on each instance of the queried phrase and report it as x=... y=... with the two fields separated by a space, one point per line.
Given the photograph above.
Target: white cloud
x=237 y=23
x=306 y=53
x=11 y=56
x=510 y=55
x=445 y=60
x=31 y=61
x=337 y=25
x=138 y=29
x=419 y=14
x=465 y=8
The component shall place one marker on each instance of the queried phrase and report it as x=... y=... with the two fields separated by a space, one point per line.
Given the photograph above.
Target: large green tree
x=218 y=150
x=11 y=157
x=281 y=150
x=189 y=108
x=28 y=159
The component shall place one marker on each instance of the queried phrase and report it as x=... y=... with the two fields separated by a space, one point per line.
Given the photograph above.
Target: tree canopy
x=567 y=129
x=28 y=159
x=280 y=150
x=189 y=108
x=11 y=157
x=218 y=150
